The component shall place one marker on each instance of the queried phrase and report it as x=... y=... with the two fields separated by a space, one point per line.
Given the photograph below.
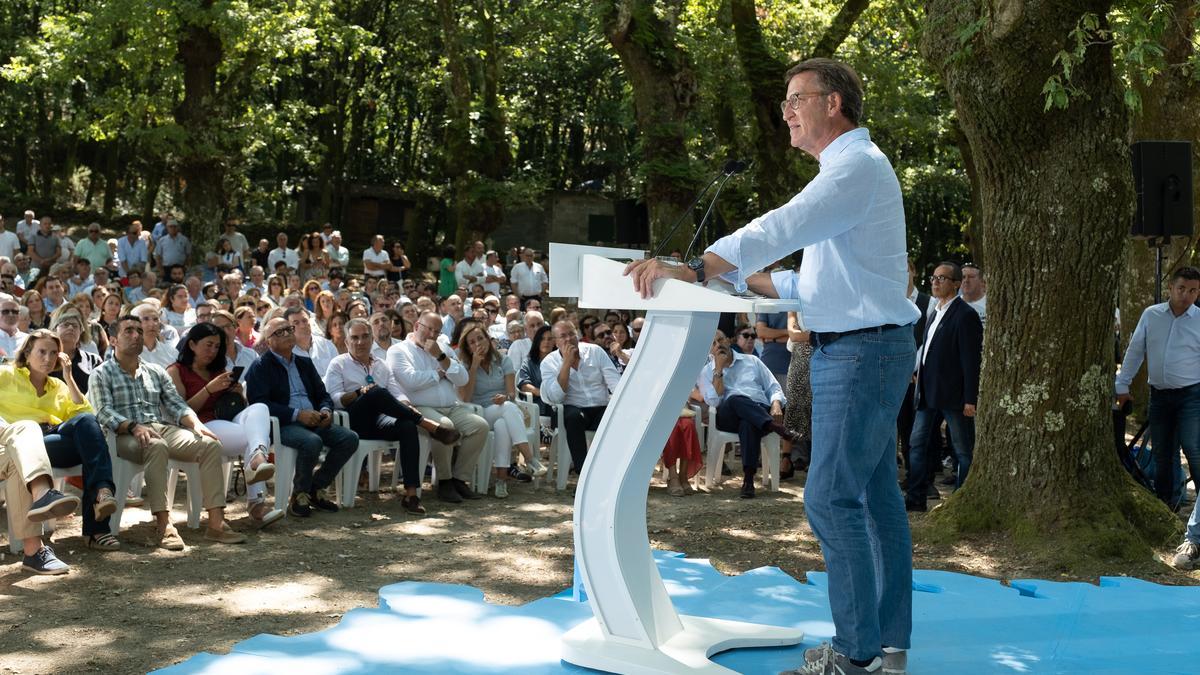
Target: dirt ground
x=141 y=608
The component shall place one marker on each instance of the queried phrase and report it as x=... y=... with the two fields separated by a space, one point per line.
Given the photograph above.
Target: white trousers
x=249 y=430
x=508 y=423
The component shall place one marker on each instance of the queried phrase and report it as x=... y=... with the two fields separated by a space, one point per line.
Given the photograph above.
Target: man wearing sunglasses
x=849 y=221
x=292 y=390
x=11 y=336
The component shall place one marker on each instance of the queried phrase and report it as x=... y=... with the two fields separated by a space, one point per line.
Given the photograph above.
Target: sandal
x=105 y=505
x=104 y=542
x=264 y=470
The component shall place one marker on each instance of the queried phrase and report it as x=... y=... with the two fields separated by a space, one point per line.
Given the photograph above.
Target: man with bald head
x=288 y=384
x=431 y=377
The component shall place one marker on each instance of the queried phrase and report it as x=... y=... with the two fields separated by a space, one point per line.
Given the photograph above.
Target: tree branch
x=836 y=34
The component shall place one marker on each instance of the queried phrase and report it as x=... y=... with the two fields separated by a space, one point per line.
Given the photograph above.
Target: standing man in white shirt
x=1167 y=339
x=11 y=336
x=431 y=379
x=529 y=279
x=974 y=289
x=281 y=252
x=493 y=274
x=339 y=256
x=376 y=261
x=469 y=270
x=26 y=226
x=10 y=243
x=132 y=251
x=581 y=377
x=849 y=219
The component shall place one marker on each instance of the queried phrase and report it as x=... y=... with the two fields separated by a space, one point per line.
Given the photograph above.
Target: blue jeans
x=962 y=432
x=78 y=441
x=852 y=497
x=308 y=443
x=1174 y=422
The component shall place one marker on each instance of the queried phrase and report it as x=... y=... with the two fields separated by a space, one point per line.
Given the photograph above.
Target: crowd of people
x=124 y=337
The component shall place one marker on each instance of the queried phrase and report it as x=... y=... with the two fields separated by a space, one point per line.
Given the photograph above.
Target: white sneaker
x=501 y=489
x=536 y=470
x=895 y=661
x=1186 y=556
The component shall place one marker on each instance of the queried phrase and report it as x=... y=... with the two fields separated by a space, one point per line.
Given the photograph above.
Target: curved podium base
x=687 y=652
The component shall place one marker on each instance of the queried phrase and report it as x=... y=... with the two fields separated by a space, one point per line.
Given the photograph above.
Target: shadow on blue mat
x=962 y=624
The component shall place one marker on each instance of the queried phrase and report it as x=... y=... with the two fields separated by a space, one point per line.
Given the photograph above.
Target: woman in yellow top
x=71 y=434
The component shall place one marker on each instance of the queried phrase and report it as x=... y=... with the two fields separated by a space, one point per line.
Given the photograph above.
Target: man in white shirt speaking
x=581 y=377
x=849 y=220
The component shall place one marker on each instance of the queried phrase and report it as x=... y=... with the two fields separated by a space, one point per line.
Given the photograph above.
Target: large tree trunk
x=201 y=166
x=1169 y=106
x=458 y=123
x=1056 y=197
x=664 y=87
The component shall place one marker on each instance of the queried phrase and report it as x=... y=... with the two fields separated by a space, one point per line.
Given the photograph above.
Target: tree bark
x=664 y=87
x=1056 y=199
x=458 y=122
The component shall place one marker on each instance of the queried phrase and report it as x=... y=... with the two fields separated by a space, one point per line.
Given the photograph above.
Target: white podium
x=635 y=628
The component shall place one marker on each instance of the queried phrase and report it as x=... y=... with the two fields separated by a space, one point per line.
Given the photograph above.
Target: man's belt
x=1176 y=390
x=818 y=339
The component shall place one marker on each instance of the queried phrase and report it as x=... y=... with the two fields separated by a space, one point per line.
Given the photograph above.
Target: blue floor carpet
x=961 y=624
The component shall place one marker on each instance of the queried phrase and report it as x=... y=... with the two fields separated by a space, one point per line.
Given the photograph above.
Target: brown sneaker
x=170 y=539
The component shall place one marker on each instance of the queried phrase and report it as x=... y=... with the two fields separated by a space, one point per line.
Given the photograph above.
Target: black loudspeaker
x=1162 y=177
x=633 y=222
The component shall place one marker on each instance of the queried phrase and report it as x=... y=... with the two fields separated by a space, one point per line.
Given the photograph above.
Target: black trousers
x=578 y=422
x=750 y=420
x=378 y=416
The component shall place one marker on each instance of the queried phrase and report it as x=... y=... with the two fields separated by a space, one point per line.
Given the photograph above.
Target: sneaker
x=300 y=505
x=44 y=562
x=320 y=499
x=537 y=470
x=518 y=475
x=412 y=505
x=1186 y=556
x=464 y=490
x=447 y=493
x=501 y=489
x=895 y=661
x=53 y=504
x=824 y=660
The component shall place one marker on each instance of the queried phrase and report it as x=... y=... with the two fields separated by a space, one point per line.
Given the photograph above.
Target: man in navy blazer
x=288 y=384
x=947 y=381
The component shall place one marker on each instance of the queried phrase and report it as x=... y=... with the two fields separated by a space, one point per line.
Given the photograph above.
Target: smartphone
x=236 y=373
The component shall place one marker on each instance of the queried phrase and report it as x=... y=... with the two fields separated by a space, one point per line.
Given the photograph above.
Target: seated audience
x=363 y=385
x=581 y=377
x=68 y=325
x=293 y=392
x=135 y=399
x=156 y=347
x=308 y=344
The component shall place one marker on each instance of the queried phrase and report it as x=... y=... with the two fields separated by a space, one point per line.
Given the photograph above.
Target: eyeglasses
x=283 y=332
x=794 y=100
x=604 y=334
x=941 y=277
x=748 y=336
x=10 y=312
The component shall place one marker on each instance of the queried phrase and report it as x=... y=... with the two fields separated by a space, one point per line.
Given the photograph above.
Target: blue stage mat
x=961 y=624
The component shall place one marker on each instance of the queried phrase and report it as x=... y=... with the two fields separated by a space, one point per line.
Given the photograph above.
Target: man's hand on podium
x=644 y=272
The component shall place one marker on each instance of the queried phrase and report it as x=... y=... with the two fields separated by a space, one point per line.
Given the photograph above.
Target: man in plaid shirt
x=131 y=398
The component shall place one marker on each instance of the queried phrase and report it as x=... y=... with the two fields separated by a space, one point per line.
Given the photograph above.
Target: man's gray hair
x=355 y=322
x=836 y=77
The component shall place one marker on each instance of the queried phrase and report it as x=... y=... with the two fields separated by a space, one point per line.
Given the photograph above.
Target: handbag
x=228 y=406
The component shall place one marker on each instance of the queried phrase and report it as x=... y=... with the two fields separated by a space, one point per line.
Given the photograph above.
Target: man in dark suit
x=292 y=390
x=947 y=380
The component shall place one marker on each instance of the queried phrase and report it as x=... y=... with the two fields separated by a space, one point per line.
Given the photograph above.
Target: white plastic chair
x=195 y=494
x=718 y=440
x=368 y=451
x=560 y=451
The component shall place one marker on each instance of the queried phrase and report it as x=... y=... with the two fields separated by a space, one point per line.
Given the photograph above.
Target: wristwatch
x=697 y=265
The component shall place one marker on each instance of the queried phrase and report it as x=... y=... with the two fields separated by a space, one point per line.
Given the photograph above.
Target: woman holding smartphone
x=200 y=377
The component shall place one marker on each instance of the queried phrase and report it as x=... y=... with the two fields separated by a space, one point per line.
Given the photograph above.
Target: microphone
x=732 y=167
x=728 y=169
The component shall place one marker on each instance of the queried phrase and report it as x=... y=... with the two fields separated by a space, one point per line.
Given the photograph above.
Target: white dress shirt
x=322 y=352
x=346 y=375
x=465 y=269
x=850 y=222
x=935 y=320
x=11 y=343
x=747 y=376
x=588 y=386
x=338 y=255
x=528 y=279
x=373 y=256
x=518 y=351
x=1170 y=346
x=379 y=352
x=493 y=287
x=289 y=257
x=421 y=376
x=162 y=355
